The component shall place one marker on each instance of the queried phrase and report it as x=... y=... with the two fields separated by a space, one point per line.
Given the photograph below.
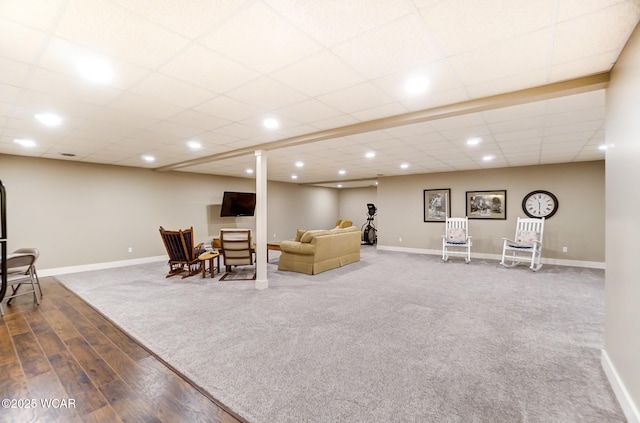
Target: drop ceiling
x=527 y=77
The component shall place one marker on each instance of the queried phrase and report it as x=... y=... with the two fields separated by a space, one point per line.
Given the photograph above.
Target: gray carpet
x=396 y=337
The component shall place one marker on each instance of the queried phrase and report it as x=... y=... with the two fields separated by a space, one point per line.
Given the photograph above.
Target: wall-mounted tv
x=238 y=204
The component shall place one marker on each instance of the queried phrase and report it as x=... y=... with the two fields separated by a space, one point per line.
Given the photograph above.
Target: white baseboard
x=99 y=266
x=497 y=257
x=629 y=409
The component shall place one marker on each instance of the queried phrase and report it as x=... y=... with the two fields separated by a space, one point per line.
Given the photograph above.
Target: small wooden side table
x=275 y=246
x=209 y=255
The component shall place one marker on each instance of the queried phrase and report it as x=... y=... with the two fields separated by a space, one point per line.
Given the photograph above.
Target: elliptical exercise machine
x=370 y=236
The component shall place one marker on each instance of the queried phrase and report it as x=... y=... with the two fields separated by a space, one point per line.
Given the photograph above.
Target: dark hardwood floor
x=67 y=353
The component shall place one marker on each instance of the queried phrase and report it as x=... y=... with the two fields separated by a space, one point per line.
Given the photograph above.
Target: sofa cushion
x=296 y=247
x=299 y=234
x=309 y=235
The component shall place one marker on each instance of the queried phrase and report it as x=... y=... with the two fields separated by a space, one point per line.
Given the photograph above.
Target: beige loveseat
x=316 y=251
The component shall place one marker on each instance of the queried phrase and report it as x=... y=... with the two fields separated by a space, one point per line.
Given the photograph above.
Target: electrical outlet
x=400 y=239
x=131 y=249
x=274 y=235
x=565 y=249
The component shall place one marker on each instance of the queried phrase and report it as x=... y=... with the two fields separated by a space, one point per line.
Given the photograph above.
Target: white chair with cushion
x=456 y=240
x=527 y=245
x=237 y=250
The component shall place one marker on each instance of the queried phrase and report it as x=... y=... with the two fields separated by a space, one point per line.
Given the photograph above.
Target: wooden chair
x=456 y=240
x=527 y=246
x=183 y=256
x=236 y=250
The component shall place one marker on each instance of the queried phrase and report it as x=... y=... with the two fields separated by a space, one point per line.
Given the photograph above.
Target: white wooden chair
x=237 y=250
x=527 y=246
x=456 y=240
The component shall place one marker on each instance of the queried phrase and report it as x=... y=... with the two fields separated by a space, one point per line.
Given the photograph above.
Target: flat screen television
x=238 y=204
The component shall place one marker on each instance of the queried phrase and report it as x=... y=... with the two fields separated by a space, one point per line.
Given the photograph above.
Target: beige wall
x=353 y=204
x=622 y=332
x=81 y=213
x=578 y=224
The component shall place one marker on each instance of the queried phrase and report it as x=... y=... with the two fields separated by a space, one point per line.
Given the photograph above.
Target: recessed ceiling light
x=602 y=147
x=488 y=158
x=249 y=171
x=342 y=172
x=294 y=176
x=404 y=166
x=48 y=119
x=299 y=164
x=194 y=145
x=474 y=141
x=416 y=85
x=339 y=185
x=25 y=143
x=95 y=70
x=370 y=155
x=149 y=159
x=270 y=123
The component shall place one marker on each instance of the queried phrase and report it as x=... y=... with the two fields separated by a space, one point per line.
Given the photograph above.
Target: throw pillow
x=526 y=238
x=456 y=235
x=299 y=234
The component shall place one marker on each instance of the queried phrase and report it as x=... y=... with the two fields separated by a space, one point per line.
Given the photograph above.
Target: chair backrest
x=179 y=244
x=20 y=262
x=457 y=229
x=236 y=246
x=527 y=228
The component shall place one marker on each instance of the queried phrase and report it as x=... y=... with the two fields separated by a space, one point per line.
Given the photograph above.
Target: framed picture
x=487 y=204
x=437 y=205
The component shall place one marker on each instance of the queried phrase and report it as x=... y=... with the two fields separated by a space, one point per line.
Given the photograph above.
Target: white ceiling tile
x=267 y=94
x=117 y=32
x=319 y=74
x=198 y=120
x=357 y=98
x=227 y=108
x=190 y=18
x=200 y=66
x=172 y=91
x=334 y=21
x=54 y=83
x=481 y=23
x=310 y=110
x=585 y=66
x=62 y=56
x=599 y=33
x=256 y=35
x=29 y=45
x=569 y=9
x=144 y=105
x=39 y=14
x=391 y=48
x=13 y=72
x=518 y=56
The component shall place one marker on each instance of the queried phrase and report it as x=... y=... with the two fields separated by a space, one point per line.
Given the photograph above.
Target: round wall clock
x=540 y=204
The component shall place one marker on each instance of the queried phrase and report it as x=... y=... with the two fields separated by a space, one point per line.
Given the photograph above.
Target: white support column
x=262 y=282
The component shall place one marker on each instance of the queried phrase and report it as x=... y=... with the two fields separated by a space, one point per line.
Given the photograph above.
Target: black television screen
x=238 y=204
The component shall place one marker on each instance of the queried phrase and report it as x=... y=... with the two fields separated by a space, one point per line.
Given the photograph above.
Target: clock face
x=540 y=204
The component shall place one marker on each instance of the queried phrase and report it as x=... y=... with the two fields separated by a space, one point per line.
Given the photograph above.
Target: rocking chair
x=457 y=238
x=183 y=256
x=527 y=246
